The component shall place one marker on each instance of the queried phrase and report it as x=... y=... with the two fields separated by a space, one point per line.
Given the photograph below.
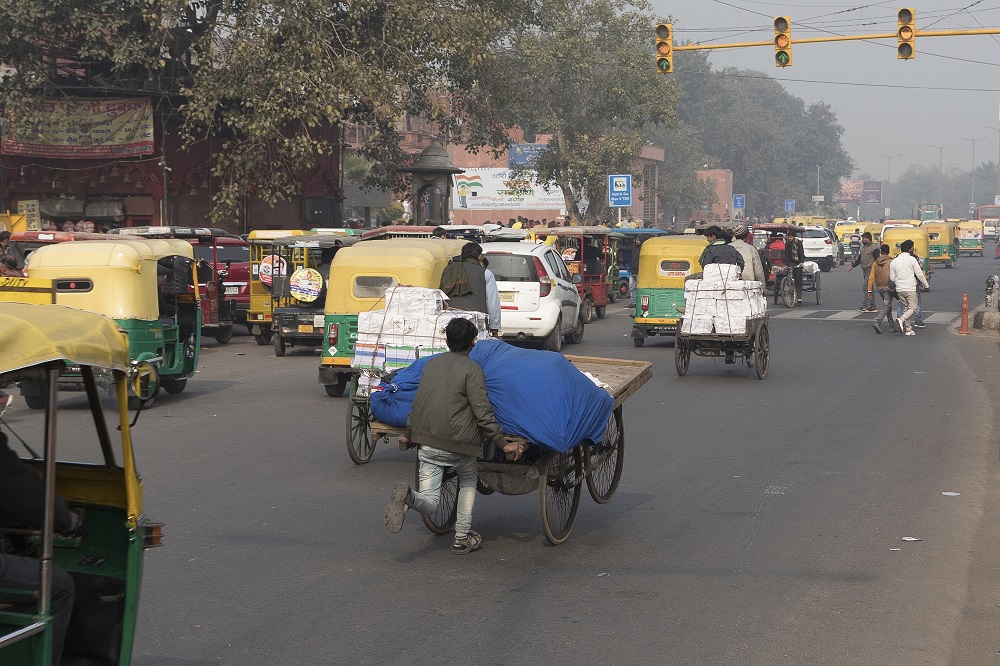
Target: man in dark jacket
x=453 y=423
x=866 y=259
x=719 y=251
x=795 y=254
x=22 y=503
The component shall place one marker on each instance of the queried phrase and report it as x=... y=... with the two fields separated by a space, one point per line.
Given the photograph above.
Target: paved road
x=756 y=523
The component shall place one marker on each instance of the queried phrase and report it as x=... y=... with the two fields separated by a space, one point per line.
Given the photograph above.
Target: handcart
x=558 y=477
x=754 y=346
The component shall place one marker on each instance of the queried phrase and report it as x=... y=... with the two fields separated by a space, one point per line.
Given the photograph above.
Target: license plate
x=232 y=291
x=305 y=328
x=507 y=296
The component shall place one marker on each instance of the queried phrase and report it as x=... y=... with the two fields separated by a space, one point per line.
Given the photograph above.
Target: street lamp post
x=888 y=178
x=972 y=204
x=940 y=156
x=997 y=129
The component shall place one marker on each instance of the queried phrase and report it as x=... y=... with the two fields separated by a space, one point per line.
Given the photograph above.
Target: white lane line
x=942 y=318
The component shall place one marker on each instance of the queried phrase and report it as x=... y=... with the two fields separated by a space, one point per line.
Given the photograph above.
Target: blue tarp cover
x=538 y=395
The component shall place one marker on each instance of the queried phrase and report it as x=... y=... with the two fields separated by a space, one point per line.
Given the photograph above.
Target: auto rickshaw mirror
x=145 y=380
x=577 y=278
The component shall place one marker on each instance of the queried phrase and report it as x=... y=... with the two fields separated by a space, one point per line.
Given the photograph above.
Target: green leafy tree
x=268 y=80
x=584 y=74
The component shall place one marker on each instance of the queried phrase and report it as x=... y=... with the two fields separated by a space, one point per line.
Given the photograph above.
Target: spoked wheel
x=786 y=287
x=559 y=493
x=604 y=460
x=682 y=357
x=359 y=436
x=442 y=521
x=761 y=351
x=816 y=285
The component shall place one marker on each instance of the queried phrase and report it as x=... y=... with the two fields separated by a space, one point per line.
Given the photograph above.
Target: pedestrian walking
x=866 y=257
x=453 y=423
x=906 y=275
x=878 y=278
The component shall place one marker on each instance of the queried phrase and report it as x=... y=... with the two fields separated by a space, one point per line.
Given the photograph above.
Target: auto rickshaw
x=260 y=308
x=664 y=263
x=970 y=237
x=218 y=310
x=587 y=252
x=621 y=271
x=399 y=231
x=23 y=243
x=360 y=274
x=875 y=229
x=104 y=555
x=141 y=284
x=298 y=282
x=943 y=240
x=893 y=236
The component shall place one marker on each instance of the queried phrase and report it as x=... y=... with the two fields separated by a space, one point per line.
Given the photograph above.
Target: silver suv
x=538 y=297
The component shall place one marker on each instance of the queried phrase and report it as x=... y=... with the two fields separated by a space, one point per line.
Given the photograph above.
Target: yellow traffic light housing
x=665 y=48
x=782 y=41
x=905 y=33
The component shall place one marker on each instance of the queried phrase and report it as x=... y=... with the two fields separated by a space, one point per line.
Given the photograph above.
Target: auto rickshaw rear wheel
x=600 y=310
x=336 y=389
x=279 y=346
x=638 y=342
x=263 y=338
x=173 y=385
x=559 y=480
x=223 y=333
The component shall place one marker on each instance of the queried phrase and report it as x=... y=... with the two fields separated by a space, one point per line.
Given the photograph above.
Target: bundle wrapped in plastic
x=563 y=408
x=721 y=306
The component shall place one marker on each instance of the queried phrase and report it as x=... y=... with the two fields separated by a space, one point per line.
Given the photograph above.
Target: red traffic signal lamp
x=665 y=48
x=905 y=33
x=782 y=41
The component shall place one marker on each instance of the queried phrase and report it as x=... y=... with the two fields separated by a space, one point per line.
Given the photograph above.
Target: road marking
x=796 y=313
x=942 y=317
x=854 y=315
x=844 y=314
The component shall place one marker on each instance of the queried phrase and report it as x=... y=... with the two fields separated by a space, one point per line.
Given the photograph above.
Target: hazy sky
x=903 y=107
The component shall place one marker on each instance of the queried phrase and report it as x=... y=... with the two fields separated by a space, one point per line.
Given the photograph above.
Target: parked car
x=538 y=296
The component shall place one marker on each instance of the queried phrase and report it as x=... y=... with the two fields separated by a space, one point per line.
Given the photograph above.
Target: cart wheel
x=559 y=493
x=786 y=287
x=816 y=285
x=359 y=436
x=761 y=351
x=682 y=357
x=604 y=460
x=442 y=521
x=224 y=333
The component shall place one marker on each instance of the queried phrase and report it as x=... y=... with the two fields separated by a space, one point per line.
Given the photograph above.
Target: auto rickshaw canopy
x=665 y=261
x=32 y=335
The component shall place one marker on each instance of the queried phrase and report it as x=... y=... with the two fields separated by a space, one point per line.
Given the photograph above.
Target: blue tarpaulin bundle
x=538 y=395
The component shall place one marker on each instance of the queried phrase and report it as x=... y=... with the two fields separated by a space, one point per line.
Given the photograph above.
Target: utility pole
x=997 y=129
x=888 y=178
x=940 y=156
x=972 y=204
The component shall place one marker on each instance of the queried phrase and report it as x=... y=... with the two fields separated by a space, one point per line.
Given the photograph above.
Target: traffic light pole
x=841 y=38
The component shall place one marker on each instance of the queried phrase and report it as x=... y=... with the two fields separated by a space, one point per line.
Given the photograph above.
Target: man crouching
x=452 y=422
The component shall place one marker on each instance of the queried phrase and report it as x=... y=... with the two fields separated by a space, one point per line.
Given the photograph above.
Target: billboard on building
x=859 y=192
x=497 y=189
x=87 y=129
x=523 y=154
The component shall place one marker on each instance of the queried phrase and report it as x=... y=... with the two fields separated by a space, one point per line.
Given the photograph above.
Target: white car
x=538 y=297
x=819 y=247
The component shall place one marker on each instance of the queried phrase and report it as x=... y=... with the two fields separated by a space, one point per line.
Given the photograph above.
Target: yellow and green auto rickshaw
x=970 y=237
x=875 y=229
x=894 y=235
x=262 y=259
x=664 y=263
x=144 y=285
x=359 y=276
x=104 y=554
x=298 y=284
x=943 y=238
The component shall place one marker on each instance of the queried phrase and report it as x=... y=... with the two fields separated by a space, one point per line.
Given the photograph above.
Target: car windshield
x=814 y=233
x=512 y=267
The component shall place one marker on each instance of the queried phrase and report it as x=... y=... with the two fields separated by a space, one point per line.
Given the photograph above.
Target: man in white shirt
x=752 y=268
x=905 y=273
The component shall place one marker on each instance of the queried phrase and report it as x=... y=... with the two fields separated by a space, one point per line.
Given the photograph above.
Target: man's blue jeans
x=433 y=463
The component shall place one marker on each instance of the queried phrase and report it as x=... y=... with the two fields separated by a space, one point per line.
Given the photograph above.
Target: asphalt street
x=757 y=522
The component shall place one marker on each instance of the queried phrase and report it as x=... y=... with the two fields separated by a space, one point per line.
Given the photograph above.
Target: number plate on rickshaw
x=232 y=291
x=305 y=328
x=507 y=296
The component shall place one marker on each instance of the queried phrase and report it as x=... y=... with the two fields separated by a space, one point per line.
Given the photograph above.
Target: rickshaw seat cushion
x=561 y=409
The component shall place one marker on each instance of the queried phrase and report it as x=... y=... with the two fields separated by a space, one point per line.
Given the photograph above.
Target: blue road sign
x=620 y=190
x=739 y=201
x=789 y=205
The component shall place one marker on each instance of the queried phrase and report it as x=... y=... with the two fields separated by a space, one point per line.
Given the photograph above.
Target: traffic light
x=665 y=48
x=905 y=34
x=782 y=41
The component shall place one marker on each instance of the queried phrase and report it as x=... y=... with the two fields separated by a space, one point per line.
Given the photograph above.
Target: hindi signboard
x=497 y=189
